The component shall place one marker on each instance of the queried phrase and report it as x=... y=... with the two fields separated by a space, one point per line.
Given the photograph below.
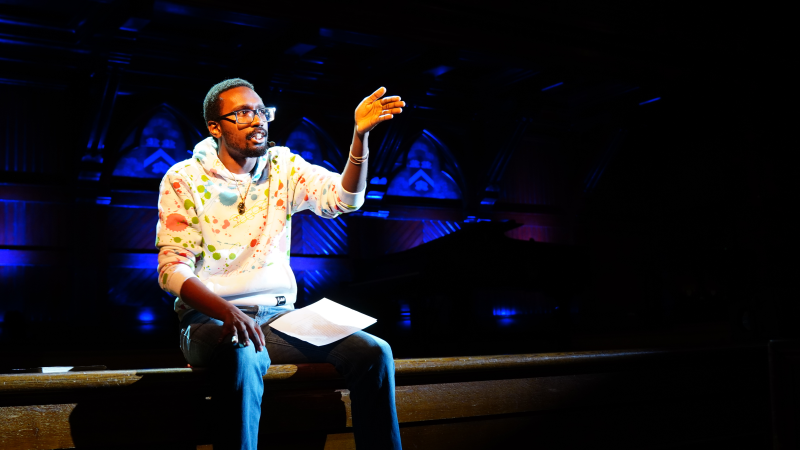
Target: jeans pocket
x=184 y=343
x=197 y=344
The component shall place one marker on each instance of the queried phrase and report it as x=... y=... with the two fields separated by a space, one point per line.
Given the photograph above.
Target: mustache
x=258 y=130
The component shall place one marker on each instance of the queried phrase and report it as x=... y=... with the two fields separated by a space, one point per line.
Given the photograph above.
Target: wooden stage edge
x=683 y=398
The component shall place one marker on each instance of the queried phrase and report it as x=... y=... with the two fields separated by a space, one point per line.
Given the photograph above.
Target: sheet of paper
x=322 y=322
x=56 y=369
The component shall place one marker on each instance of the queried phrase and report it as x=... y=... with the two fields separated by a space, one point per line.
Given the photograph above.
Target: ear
x=214 y=129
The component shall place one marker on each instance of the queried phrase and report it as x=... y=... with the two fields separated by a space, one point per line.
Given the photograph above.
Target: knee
x=384 y=352
x=248 y=357
x=376 y=354
x=244 y=361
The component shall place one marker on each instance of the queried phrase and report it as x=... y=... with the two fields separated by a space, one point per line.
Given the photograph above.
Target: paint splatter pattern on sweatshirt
x=201 y=234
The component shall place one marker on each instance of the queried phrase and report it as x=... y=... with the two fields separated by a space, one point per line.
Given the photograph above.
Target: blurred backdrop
x=563 y=178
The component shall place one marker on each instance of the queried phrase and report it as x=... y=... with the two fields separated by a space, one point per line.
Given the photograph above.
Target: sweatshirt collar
x=205 y=152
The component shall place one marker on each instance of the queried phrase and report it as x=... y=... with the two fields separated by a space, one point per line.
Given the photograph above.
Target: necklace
x=240 y=207
x=241 y=204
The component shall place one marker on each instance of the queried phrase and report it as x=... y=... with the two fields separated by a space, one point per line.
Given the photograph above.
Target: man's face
x=245 y=140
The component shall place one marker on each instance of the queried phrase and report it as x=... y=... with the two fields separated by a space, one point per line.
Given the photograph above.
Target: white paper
x=322 y=322
x=56 y=369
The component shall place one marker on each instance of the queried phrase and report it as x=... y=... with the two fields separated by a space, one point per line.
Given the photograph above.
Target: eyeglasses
x=246 y=116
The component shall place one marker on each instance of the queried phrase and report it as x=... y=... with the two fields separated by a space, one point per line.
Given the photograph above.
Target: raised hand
x=374 y=110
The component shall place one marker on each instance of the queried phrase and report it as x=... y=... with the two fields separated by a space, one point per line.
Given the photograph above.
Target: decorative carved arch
x=157 y=155
x=424 y=167
x=305 y=134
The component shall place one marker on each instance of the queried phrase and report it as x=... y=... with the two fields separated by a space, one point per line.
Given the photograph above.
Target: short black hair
x=211 y=105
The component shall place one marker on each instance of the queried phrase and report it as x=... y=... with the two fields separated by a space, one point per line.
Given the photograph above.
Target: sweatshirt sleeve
x=316 y=188
x=178 y=236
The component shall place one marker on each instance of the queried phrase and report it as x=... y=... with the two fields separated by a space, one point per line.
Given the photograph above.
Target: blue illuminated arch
x=160 y=140
x=422 y=172
x=303 y=140
x=311 y=142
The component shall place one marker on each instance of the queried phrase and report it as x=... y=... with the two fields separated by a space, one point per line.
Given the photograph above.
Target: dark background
x=621 y=179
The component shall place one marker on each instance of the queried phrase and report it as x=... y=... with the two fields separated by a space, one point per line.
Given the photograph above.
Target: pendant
x=241 y=208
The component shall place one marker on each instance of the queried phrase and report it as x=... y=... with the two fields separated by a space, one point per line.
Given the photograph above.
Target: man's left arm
x=329 y=194
x=369 y=113
x=313 y=187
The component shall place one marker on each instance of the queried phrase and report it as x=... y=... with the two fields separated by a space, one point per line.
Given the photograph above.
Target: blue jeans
x=365 y=361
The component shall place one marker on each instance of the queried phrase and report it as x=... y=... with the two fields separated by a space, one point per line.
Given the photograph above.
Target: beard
x=243 y=150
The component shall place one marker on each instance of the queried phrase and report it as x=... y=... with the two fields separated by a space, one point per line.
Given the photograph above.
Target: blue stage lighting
x=440 y=70
x=300 y=49
x=551 y=87
x=379 y=214
x=650 y=101
x=506 y=321
x=502 y=312
x=146 y=316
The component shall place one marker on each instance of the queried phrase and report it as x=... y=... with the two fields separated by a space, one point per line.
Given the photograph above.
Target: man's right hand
x=235 y=323
x=242 y=328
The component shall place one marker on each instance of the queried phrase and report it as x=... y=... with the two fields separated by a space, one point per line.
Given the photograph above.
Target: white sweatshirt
x=243 y=258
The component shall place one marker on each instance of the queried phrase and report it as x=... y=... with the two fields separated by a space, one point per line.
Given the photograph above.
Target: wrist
x=228 y=309
x=358 y=160
x=361 y=135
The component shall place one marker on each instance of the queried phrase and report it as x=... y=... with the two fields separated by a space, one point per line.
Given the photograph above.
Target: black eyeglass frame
x=262 y=114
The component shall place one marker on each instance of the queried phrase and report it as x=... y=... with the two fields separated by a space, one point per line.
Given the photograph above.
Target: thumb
x=378 y=94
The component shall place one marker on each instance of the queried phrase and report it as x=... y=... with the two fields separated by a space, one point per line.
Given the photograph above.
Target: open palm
x=374 y=110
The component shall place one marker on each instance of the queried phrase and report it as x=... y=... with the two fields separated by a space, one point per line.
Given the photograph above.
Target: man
x=223 y=238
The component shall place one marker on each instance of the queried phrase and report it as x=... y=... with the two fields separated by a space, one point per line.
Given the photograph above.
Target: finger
x=378 y=94
x=392 y=111
x=242 y=336
x=384 y=117
x=392 y=105
x=261 y=337
x=245 y=336
x=227 y=330
x=386 y=100
x=397 y=104
x=251 y=330
x=237 y=338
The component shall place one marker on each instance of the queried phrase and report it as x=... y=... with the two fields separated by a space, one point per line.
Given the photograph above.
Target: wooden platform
x=690 y=398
